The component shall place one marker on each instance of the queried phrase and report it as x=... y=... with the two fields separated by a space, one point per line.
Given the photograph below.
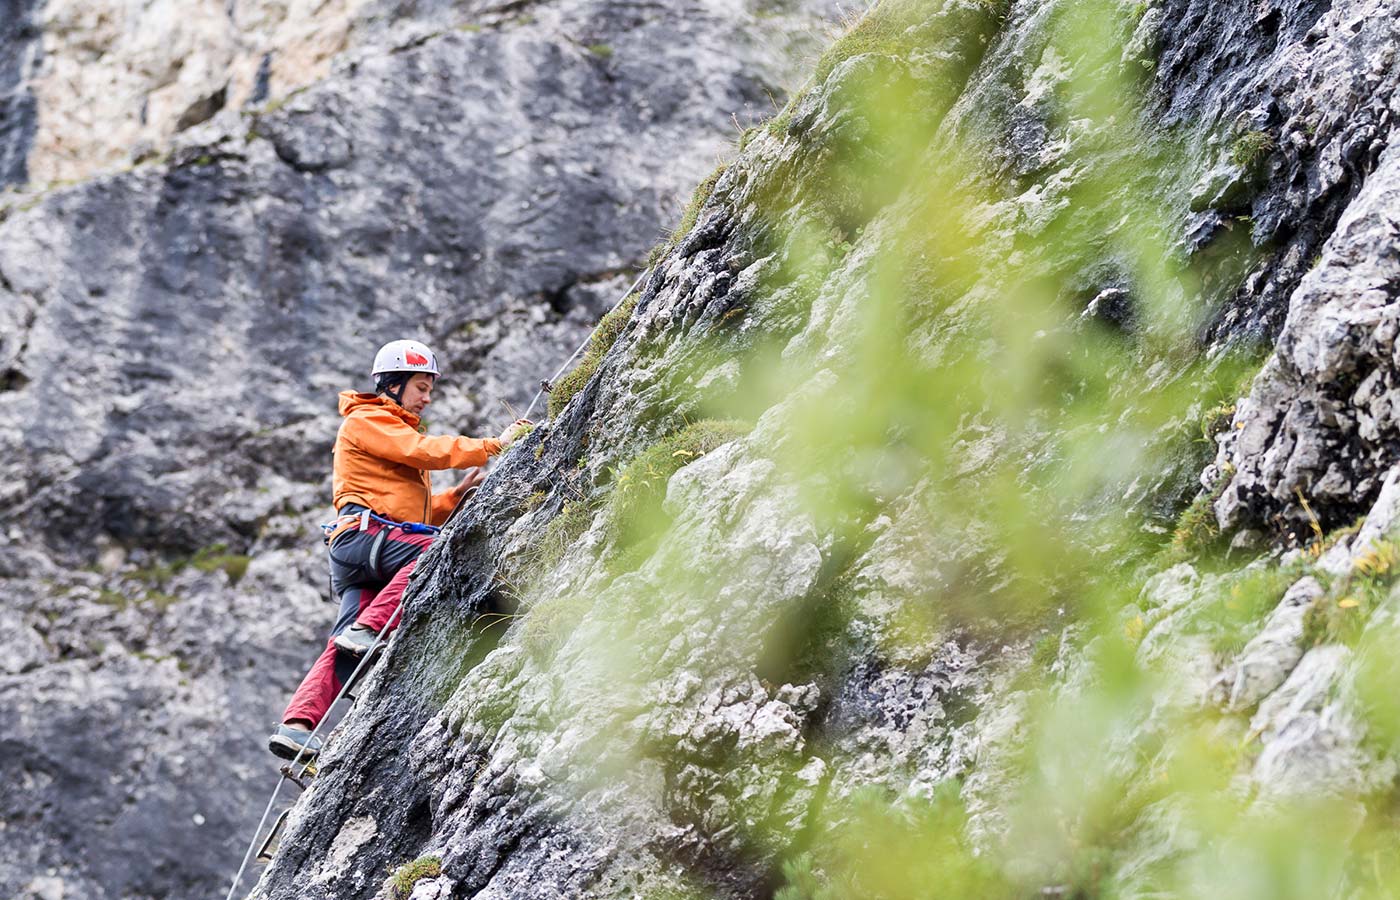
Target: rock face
x=842 y=573
x=162 y=68
x=1318 y=421
x=19 y=48
x=816 y=618
x=172 y=337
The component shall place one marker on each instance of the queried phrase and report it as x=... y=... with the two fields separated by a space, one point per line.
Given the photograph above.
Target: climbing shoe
x=356 y=640
x=287 y=742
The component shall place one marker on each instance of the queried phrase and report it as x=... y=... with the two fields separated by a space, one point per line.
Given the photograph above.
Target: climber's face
x=418 y=393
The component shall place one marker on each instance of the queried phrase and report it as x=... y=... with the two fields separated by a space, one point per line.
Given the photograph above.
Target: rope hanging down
x=287 y=773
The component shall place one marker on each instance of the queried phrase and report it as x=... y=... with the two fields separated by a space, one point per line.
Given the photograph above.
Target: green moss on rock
x=409 y=874
x=604 y=336
x=640 y=486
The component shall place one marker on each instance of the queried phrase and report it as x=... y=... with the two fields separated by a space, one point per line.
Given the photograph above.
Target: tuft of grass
x=778 y=125
x=402 y=882
x=691 y=214
x=702 y=195
x=640 y=485
x=604 y=336
x=215 y=558
x=602 y=51
x=747 y=135
x=1046 y=651
x=1216 y=421
x=549 y=623
x=1251 y=148
x=559 y=535
x=1379 y=560
x=1197 y=530
x=1338 y=619
x=524 y=433
x=1340 y=616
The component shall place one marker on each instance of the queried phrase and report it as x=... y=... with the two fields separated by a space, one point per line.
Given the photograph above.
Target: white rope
x=379 y=638
x=540 y=393
x=369 y=654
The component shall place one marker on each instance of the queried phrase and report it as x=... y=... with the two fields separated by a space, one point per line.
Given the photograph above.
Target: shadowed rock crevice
x=19 y=57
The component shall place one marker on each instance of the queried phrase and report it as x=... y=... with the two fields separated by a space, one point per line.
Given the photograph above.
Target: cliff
x=173 y=332
x=989 y=491
x=986 y=494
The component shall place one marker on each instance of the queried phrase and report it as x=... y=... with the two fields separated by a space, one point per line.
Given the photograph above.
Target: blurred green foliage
x=637 y=520
x=995 y=357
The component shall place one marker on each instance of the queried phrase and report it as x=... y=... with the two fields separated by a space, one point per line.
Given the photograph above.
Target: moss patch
x=210 y=559
x=640 y=487
x=215 y=558
x=604 y=336
x=402 y=882
x=1251 y=148
x=884 y=30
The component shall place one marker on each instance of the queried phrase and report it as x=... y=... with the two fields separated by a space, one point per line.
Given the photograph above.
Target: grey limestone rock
x=172 y=337
x=1319 y=418
x=19 y=54
x=1313 y=744
x=643 y=715
x=1269 y=657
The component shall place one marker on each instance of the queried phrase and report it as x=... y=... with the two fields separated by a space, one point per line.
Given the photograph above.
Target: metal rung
x=274 y=837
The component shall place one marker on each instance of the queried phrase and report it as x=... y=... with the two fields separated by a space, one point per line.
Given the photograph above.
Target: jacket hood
x=350 y=401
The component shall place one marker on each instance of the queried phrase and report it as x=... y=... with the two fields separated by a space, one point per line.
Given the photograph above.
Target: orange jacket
x=382 y=461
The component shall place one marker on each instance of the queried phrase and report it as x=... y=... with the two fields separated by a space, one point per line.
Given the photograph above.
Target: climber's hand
x=473 y=479
x=514 y=431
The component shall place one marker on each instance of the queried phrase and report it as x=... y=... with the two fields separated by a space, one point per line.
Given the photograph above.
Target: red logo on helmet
x=414 y=359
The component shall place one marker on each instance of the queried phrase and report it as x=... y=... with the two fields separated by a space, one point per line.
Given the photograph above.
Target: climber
x=383 y=497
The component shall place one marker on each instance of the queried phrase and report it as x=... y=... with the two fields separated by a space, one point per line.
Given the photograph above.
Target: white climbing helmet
x=405 y=356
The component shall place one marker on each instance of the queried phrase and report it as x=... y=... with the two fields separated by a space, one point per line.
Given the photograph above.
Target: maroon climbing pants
x=370 y=585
